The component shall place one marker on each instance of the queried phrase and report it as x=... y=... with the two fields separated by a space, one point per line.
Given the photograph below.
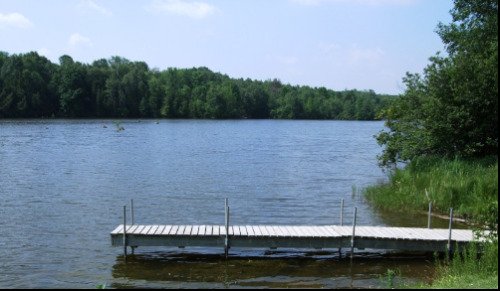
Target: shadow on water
x=268 y=269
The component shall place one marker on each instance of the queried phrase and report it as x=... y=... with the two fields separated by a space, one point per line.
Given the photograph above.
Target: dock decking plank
x=285 y=230
x=166 y=230
x=117 y=230
x=202 y=230
x=153 y=229
x=235 y=230
x=132 y=229
x=173 y=230
x=146 y=229
x=250 y=231
x=324 y=236
x=256 y=230
x=243 y=230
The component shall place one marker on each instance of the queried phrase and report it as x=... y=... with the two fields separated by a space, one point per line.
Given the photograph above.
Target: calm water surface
x=63 y=184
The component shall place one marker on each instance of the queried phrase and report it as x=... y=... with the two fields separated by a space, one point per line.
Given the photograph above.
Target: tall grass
x=472 y=268
x=469 y=186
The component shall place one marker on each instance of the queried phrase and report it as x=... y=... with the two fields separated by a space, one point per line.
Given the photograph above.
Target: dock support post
x=133 y=220
x=342 y=212
x=449 y=234
x=353 y=231
x=226 y=241
x=429 y=216
x=341 y=221
x=132 y=210
x=125 y=231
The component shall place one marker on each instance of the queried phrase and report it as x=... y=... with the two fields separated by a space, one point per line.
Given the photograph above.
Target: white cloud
x=14 y=20
x=193 y=9
x=77 y=39
x=358 y=2
x=91 y=5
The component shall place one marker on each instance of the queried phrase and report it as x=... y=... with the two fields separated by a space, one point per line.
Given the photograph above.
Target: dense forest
x=31 y=86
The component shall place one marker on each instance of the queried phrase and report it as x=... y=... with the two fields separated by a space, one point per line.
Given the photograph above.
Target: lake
x=63 y=184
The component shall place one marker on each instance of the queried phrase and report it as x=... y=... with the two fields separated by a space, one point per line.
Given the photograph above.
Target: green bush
x=476 y=267
x=470 y=187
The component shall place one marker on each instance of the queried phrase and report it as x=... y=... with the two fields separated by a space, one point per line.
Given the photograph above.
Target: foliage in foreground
x=452 y=110
x=445 y=127
x=473 y=269
x=470 y=187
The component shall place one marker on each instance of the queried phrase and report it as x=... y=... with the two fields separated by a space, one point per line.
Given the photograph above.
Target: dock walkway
x=287 y=236
x=291 y=236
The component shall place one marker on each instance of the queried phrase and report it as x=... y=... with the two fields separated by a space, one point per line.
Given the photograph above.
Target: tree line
x=31 y=86
x=452 y=109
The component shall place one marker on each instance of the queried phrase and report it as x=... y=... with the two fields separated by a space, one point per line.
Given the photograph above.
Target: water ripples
x=63 y=184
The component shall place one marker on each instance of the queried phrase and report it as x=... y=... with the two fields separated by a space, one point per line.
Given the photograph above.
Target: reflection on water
x=267 y=269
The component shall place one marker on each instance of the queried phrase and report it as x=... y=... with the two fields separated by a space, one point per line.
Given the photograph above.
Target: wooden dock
x=286 y=236
x=290 y=236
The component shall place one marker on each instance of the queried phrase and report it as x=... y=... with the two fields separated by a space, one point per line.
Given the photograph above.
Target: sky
x=337 y=44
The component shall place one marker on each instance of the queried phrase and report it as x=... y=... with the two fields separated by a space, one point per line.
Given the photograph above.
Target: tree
x=452 y=110
x=72 y=88
x=26 y=86
x=134 y=90
x=156 y=93
x=126 y=87
x=32 y=86
x=255 y=100
x=216 y=103
x=97 y=75
x=349 y=105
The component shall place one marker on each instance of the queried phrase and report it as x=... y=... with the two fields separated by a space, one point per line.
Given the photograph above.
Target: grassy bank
x=471 y=188
x=469 y=270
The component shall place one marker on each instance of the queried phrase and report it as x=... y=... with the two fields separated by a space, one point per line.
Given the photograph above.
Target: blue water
x=63 y=185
